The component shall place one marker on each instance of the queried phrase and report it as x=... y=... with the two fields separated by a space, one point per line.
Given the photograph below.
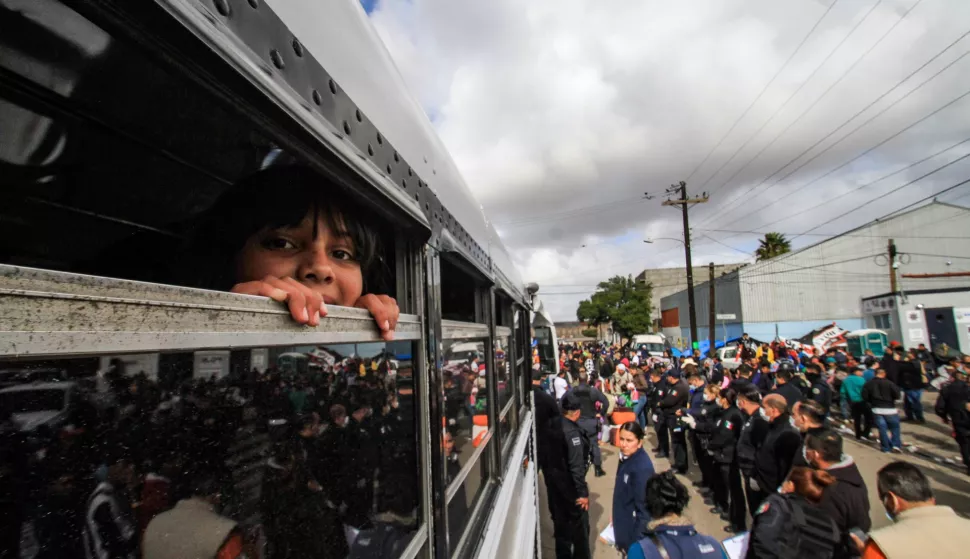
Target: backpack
x=813 y=533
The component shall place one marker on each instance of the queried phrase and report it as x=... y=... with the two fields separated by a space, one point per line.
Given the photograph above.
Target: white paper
x=737 y=547
x=608 y=536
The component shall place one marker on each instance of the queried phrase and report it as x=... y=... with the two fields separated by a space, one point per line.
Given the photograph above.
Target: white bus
x=125 y=126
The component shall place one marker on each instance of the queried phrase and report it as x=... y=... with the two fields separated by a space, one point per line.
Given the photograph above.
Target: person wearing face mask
x=789 y=524
x=658 y=389
x=698 y=397
x=846 y=502
x=630 y=514
x=921 y=528
x=193 y=528
x=725 y=431
x=749 y=441
x=785 y=387
x=778 y=450
x=676 y=399
x=808 y=420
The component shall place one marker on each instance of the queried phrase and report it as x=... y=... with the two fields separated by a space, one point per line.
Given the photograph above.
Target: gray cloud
x=562 y=113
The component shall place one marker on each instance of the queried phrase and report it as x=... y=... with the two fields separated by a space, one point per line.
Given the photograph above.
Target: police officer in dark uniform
x=588 y=397
x=571 y=492
x=953 y=404
x=753 y=433
x=787 y=385
x=675 y=398
x=658 y=389
x=819 y=390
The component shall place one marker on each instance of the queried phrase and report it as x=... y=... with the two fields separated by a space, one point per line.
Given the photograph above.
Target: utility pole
x=684 y=202
x=712 y=314
x=892 y=266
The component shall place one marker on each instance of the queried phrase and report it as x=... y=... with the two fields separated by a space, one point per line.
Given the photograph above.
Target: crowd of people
x=280 y=464
x=767 y=438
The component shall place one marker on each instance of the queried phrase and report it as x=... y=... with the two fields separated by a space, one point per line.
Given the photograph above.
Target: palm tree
x=774 y=244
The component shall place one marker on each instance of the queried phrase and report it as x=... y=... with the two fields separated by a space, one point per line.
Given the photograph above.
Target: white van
x=653 y=344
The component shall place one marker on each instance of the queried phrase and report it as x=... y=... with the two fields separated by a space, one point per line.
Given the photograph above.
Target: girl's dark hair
x=810 y=483
x=666 y=495
x=633 y=427
x=731 y=395
x=273 y=198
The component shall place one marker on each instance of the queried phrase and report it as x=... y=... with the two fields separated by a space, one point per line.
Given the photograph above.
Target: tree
x=774 y=244
x=622 y=301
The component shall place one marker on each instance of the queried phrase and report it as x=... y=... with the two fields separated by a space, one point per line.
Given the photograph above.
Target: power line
x=860 y=187
x=825 y=93
x=785 y=104
x=891 y=192
x=767 y=85
x=739 y=199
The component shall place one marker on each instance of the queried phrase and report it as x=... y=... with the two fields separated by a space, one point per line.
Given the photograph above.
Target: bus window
x=319 y=464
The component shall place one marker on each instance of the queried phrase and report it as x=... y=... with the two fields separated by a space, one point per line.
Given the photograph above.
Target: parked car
x=41 y=403
x=730 y=356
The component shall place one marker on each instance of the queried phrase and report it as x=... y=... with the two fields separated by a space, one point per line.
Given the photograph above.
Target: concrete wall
x=826 y=281
x=668 y=281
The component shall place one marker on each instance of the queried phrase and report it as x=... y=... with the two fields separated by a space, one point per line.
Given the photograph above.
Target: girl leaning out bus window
x=285 y=233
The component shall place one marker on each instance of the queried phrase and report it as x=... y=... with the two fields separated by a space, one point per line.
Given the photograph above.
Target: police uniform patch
x=763 y=508
x=729 y=425
x=703 y=412
x=673 y=392
x=815 y=390
x=576 y=441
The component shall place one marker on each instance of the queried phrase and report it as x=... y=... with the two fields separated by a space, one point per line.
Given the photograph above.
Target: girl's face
x=628 y=443
x=313 y=253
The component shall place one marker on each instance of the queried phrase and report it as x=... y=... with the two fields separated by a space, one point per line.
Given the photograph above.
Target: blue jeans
x=913 y=404
x=640 y=409
x=888 y=424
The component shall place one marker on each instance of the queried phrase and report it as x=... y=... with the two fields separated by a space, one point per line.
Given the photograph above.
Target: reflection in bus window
x=314 y=460
x=504 y=371
x=466 y=395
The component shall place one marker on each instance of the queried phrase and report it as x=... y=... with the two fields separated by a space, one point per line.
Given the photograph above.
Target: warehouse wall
x=826 y=282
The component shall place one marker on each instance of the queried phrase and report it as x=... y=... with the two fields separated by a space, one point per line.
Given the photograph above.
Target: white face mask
x=708 y=397
x=764 y=414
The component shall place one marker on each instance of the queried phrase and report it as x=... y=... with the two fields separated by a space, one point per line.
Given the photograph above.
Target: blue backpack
x=680 y=542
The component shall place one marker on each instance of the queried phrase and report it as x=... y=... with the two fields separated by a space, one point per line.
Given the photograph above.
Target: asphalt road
x=933 y=446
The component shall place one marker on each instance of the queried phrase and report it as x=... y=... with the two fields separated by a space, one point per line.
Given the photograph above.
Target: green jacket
x=852 y=388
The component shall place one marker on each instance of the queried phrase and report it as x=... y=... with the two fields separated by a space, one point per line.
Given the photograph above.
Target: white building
x=794 y=293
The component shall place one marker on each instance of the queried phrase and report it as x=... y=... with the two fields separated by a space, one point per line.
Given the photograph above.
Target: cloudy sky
x=562 y=114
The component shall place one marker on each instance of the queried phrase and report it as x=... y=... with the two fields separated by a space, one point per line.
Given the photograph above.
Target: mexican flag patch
x=763 y=508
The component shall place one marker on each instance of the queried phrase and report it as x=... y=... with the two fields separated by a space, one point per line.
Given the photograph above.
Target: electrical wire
x=853 y=190
x=826 y=222
x=827 y=90
x=763 y=90
x=785 y=104
x=739 y=199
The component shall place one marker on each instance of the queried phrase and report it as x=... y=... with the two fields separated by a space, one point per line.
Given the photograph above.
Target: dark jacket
x=588 y=397
x=910 y=376
x=880 y=393
x=821 y=392
x=847 y=503
x=891 y=366
x=773 y=535
x=791 y=392
x=549 y=447
x=951 y=405
x=681 y=542
x=724 y=435
x=776 y=454
x=630 y=514
x=753 y=434
x=738 y=384
x=577 y=450
x=763 y=381
x=675 y=398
